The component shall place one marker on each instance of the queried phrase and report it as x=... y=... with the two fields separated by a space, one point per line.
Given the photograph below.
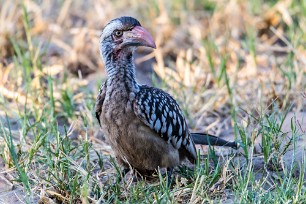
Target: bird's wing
x=161 y=113
x=100 y=100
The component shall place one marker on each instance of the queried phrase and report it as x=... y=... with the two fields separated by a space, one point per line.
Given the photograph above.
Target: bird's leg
x=119 y=178
x=169 y=176
x=122 y=175
x=115 y=186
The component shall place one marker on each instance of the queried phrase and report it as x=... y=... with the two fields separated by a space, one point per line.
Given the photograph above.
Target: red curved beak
x=138 y=36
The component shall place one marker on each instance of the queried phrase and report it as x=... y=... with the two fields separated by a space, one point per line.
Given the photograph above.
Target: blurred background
x=230 y=64
x=212 y=54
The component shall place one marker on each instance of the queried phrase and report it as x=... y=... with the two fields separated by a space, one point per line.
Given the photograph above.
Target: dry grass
x=237 y=68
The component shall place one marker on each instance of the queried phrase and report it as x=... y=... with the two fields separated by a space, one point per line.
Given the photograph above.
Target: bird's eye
x=118 y=33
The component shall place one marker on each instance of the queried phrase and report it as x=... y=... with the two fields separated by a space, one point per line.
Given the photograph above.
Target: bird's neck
x=121 y=71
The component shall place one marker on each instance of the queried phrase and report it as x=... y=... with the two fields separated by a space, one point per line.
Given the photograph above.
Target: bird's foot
x=169 y=177
x=119 y=178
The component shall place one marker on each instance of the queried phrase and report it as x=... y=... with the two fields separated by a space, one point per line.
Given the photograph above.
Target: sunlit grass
x=240 y=79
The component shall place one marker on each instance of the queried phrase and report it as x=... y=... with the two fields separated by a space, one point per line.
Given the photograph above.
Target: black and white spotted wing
x=160 y=112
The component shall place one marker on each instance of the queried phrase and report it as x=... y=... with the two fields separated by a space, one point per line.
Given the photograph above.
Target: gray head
x=122 y=36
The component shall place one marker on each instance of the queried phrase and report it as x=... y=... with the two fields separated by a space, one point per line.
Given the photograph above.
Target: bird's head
x=122 y=36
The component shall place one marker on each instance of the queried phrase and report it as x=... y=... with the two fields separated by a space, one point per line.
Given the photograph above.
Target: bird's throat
x=121 y=72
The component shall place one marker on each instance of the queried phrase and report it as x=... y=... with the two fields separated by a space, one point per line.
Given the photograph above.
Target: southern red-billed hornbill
x=144 y=125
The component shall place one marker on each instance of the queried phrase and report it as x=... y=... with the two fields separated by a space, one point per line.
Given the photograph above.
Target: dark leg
x=115 y=187
x=123 y=173
x=119 y=178
x=169 y=176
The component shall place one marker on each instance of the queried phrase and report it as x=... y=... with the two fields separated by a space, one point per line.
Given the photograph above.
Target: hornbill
x=144 y=125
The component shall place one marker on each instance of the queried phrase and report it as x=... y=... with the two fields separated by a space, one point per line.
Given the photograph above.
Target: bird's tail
x=207 y=139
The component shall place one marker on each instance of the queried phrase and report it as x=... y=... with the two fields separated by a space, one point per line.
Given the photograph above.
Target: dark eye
x=118 y=33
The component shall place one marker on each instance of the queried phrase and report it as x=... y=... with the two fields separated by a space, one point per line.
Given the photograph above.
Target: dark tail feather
x=207 y=139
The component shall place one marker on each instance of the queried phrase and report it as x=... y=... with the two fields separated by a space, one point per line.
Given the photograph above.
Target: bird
x=144 y=125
